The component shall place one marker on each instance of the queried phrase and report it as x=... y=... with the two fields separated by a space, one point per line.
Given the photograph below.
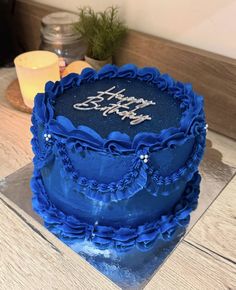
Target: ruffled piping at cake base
x=70 y=229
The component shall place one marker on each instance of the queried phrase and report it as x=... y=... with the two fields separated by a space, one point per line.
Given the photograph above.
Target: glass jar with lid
x=58 y=35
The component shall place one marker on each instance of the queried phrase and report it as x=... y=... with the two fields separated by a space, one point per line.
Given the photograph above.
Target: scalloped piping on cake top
x=192 y=122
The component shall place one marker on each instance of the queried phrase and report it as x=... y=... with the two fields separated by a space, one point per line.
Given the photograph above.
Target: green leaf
x=103 y=31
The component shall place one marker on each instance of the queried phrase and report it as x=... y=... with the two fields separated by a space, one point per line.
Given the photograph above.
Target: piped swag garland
x=141 y=174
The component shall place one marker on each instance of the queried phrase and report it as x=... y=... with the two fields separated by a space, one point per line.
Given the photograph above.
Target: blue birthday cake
x=116 y=157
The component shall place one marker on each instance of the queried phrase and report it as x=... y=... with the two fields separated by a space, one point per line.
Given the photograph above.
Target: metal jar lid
x=58 y=27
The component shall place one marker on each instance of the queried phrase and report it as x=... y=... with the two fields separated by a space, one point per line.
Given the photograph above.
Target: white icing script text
x=121 y=107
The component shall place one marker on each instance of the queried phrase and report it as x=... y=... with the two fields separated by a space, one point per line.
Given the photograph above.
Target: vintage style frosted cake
x=116 y=157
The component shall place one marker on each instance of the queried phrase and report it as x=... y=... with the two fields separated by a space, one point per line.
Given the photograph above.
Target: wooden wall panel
x=28 y=15
x=212 y=75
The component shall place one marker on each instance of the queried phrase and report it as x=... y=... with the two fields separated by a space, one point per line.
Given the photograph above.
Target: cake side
x=109 y=183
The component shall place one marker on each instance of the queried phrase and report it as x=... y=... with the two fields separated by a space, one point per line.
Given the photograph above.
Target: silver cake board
x=215 y=176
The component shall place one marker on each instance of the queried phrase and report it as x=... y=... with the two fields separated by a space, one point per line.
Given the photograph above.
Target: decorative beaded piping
x=94 y=185
x=140 y=170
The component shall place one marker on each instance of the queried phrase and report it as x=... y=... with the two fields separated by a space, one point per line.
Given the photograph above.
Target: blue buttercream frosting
x=98 y=177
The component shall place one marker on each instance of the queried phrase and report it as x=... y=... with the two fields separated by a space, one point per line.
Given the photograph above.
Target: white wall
x=206 y=24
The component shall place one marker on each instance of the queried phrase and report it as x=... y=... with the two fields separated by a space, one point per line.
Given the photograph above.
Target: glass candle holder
x=58 y=35
x=34 y=69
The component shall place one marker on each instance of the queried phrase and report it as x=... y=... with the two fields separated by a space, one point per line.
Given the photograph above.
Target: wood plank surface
x=28 y=15
x=206 y=259
x=15 y=136
x=32 y=258
x=212 y=75
x=216 y=231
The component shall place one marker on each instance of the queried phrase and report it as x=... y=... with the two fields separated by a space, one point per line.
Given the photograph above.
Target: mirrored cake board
x=215 y=176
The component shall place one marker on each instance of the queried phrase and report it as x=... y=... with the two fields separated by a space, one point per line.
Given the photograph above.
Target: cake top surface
x=120 y=109
x=119 y=104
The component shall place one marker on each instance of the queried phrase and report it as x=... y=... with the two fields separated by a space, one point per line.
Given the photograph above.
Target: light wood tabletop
x=32 y=258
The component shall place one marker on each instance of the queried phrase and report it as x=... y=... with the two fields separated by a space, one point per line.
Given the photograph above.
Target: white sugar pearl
x=45 y=135
x=49 y=136
x=146 y=156
x=47 y=139
x=142 y=156
x=145 y=160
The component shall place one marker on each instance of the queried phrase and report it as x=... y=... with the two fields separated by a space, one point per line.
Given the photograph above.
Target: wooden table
x=32 y=258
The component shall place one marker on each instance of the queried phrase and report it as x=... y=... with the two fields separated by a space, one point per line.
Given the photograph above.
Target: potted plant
x=103 y=32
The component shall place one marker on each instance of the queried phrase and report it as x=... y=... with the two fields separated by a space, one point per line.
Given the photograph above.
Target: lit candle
x=34 y=69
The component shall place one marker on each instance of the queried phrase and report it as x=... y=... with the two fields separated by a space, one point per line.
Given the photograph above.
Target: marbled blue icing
x=89 y=175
